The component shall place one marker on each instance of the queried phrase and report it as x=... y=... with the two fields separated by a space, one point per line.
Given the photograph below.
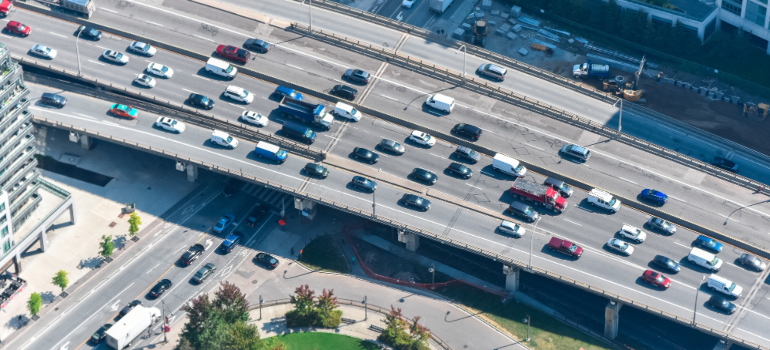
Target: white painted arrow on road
x=65 y=346
x=400 y=16
x=209 y=242
x=116 y=305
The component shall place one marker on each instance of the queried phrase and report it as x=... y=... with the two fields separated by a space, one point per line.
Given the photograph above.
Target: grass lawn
x=324 y=341
x=323 y=253
x=546 y=332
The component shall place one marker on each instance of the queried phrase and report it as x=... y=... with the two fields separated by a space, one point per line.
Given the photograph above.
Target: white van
x=508 y=165
x=604 y=200
x=221 y=68
x=724 y=286
x=441 y=102
x=223 y=139
x=705 y=259
x=347 y=111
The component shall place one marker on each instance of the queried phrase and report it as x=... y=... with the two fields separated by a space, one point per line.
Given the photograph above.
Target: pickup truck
x=565 y=247
x=587 y=70
x=306 y=112
x=539 y=194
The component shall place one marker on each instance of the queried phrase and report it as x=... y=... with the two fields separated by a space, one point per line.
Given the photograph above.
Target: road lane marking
x=390 y=98
x=680 y=244
x=99 y=63
x=190 y=91
x=57 y=34
x=153 y=268
x=159 y=25
x=200 y=77
x=572 y=222
x=104 y=9
x=627 y=180
x=727 y=217
x=436 y=155
x=101 y=47
x=473 y=186
x=205 y=38
x=234 y=105
x=293 y=66
x=535 y=147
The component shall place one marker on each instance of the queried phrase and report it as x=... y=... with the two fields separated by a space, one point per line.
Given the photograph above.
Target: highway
x=598 y=266
x=460 y=224
x=618 y=168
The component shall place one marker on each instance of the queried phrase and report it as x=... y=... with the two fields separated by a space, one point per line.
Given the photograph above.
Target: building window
x=756 y=13
x=731 y=7
x=2 y=206
x=6 y=246
x=4 y=231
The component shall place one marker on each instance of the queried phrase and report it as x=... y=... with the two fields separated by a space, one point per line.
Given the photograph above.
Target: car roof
x=283 y=89
x=508 y=224
x=578 y=149
x=497 y=69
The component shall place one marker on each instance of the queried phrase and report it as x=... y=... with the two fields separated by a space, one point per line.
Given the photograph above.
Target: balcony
x=9 y=71
x=17 y=130
x=23 y=198
x=20 y=181
x=9 y=96
x=24 y=162
x=9 y=114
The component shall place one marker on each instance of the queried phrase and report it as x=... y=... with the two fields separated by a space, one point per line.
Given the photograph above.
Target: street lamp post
x=310 y=13
x=531 y=243
x=374 y=204
x=695 y=307
x=77 y=50
x=163 y=314
x=465 y=53
x=260 y=307
x=529 y=320
x=366 y=310
x=620 y=119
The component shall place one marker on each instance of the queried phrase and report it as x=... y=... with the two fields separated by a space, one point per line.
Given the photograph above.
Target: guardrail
x=393 y=223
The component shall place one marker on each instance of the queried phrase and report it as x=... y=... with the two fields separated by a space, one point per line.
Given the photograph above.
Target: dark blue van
x=299 y=132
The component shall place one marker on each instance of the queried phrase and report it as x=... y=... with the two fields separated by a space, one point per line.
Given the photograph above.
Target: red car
x=233 y=53
x=18 y=28
x=656 y=279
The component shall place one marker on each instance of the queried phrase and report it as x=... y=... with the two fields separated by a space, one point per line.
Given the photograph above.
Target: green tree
x=326 y=305
x=133 y=224
x=243 y=337
x=303 y=301
x=61 y=280
x=35 y=303
x=232 y=303
x=107 y=246
x=403 y=335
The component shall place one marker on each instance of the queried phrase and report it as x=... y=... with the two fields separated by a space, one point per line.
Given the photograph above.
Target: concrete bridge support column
x=411 y=240
x=612 y=319
x=511 y=278
x=192 y=173
x=86 y=142
x=72 y=212
x=43 y=240
x=17 y=261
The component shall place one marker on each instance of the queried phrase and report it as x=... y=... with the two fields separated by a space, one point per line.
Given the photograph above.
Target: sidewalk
x=96 y=210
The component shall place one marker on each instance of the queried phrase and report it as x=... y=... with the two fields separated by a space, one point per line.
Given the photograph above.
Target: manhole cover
x=254 y=282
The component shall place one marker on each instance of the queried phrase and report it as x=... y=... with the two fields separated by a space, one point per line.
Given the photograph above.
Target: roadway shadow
x=206 y=74
x=210 y=144
x=657 y=268
x=649 y=228
x=352 y=157
x=408 y=141
x=585 y=205
x=350 y=186
x=640 y=282
x=684 y=262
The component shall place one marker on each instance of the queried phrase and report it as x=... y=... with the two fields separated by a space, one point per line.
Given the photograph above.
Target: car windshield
x=711 y=243
x=245 y=94
x=119 y=55
x=281 y=153
x=612 y=202
x=731 y=287
x=417 y=200
x=519 y=168
x=670 y=263
x=353 y=111
x=714 y=262
x=229 y=139
x=660 y=279
x=573 y=248
x=45 y=49
x=472 y=153
x=635 y=233
x=229 y=69
x=203 y=99
x=173 y=122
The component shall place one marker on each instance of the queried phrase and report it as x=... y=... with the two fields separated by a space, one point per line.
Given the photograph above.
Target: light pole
x=366 y=310
x=465 y=52
x=77 y=49
x=260 y=307
x=620 y=119
x=163 y=314
x=374 y=204
x=532 y=242
x=310 y=13
x=695 y=307
x=529 y=320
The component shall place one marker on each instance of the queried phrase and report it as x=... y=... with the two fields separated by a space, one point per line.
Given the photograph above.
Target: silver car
x=752 y=262
x=620 y=246
x=490 y=70
x=662 y=225
x=115 y=57
x=145 y=80
x=43 y=51
x=511 y=228
x=142 y=48
x=392 y=146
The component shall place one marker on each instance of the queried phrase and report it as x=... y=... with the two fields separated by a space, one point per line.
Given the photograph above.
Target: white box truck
x=439 y=6
x=131 y=326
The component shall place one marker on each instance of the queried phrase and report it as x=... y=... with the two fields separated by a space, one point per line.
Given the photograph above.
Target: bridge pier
x=612 y=319
x=411 y=240
x=723 y=345
x=86 y=142
x=192 y=173
x=511 y=278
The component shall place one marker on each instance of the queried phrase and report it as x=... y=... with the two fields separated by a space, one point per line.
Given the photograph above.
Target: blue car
x=223 y=223
x=708 y=243
x=282 y=91
x=654 y=196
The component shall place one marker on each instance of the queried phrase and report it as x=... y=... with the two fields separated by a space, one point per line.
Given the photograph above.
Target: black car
x=162 y=286
x=344 y=91
x=363 y=183
x=366 y=155
x=266 y=260
x=257 y=45
x=357 y=76
x=54 y=100
x=319 y=170
x=129 y=307
x=666 y=263
x=425 y=176
x=725 y=163
x=467 y=154
x=416 y=201
x=257 y=214
x=391 y=146
x=460 y=170
x=233 y=185
x=467 y=130
x=199 y=100
x=191 y=254
x=522 y=211
x=97 y=337
x=205 y=271
x=89 y=33
x=722 y=304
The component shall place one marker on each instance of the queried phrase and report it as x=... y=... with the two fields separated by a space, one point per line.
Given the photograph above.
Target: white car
x=422 y=138
x=142 y=48
x=169 y=124
x=254 y=118
x=145 y=80
x=620 y=246
x=408 y=3
x=115 y=57
x=633 y=233
x=511 y=228
x=239 y=94
x=43 y=51
x=160 y=70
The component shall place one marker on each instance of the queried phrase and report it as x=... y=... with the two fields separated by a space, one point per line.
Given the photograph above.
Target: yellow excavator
x=628 y=90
